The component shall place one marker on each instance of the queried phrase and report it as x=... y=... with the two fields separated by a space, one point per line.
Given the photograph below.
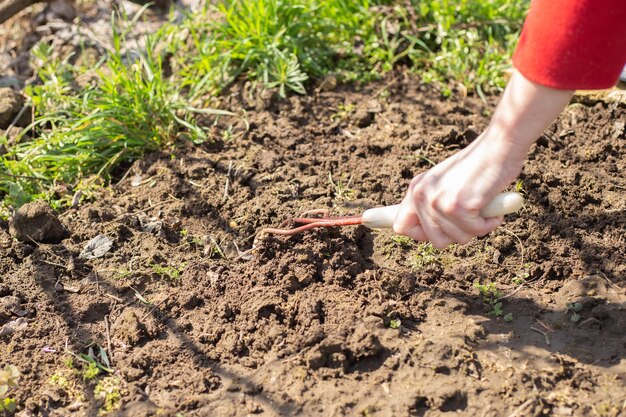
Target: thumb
x=490 y=224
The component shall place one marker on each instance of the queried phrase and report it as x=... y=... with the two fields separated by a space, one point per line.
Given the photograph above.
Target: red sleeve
x=573 y=44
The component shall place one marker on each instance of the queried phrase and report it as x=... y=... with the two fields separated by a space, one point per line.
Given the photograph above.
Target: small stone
x=127 y=329
x=11 y=82
x=363 y=118
x=65 y=9
x=11 y=103
x=37 y=222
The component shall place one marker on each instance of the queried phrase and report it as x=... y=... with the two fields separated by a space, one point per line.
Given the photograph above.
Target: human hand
x=443 y=204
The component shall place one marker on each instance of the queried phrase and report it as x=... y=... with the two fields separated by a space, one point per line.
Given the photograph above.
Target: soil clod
x=37 y=222
x=11 y=103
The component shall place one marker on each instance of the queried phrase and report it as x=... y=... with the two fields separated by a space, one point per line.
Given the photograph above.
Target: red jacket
x=573 y=44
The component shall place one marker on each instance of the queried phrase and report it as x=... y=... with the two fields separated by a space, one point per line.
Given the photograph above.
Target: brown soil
x=302 y=326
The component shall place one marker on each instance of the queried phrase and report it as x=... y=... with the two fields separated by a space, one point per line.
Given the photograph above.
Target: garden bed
x=343 y=321
x=186 y=312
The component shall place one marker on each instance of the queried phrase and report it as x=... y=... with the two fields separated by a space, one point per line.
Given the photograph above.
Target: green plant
x=108 y=390
x=574 y=309
x=92 y=364
x=491 y=297
x=91 y=371
x=171 y=273
x=343 y=111
x=8 y=405
x=466 y=42
x=131 y=108
x=341 y=188
x=402 y=241
x=282 y=43
x=395 y=323
x=123 y=274
x=424 y=255
x=9 y=377
x=508 y=317
x=275 y=42
x=519 y=187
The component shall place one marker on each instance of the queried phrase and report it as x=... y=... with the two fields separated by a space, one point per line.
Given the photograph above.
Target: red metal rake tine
x=312 y=223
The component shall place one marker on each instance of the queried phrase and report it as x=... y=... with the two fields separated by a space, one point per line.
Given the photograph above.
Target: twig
x=521 y=245
x=522 y=407
x=107 y=328
x=125 y=215
x=97 y=281
x=10 y=8
x=522 y=285
x=16 y=119
x=545 y=326
x=111 y=296
x=589 y=320
x=26 y=177
x=53 y=264
x=230 y=168
x=545 y=335
x=145 y=316
x=611 y=284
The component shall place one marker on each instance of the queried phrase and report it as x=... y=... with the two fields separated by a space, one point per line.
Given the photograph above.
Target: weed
x=490 y=292
x=9 y=377
x=520 y=278
x=369 y=411
x=59 y=380
x=196 y=240
x=519 y=188
x=142 y=299
x=402 y=241
x=69 y=362
x=90 y=372
x=170 y=273
x=343 y=111
x=508 y=317
x=496 y=309
x=108 y=390
x=281 y=44
x=69 y=380
x=92 y=364
x=491 y=297
x=123 y=274
x=341 y=188
x=468 y=42
x=275 y=42
x=425 y=255
x=574 y=309
x=395 y=323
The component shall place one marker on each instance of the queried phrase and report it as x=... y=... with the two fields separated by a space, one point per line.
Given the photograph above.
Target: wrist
x=504 y=145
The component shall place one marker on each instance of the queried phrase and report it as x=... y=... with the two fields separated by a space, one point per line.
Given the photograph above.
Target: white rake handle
x=383 y=217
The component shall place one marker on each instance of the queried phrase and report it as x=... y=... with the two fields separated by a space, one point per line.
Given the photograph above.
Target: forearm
x=525 y=111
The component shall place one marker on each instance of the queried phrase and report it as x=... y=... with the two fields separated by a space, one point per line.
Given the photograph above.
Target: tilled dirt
x=341 y=322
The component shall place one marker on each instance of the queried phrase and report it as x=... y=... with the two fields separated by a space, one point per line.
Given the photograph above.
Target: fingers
x=407 y=221
x=442 y=227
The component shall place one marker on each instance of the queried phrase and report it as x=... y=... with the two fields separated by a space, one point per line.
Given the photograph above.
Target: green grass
x=467 y=42
x=131 y=105
x=283 y=43
x=81 y=134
